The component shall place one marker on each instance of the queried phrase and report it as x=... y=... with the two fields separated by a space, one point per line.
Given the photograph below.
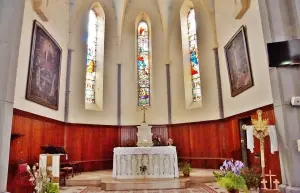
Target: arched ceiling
x=165 y=9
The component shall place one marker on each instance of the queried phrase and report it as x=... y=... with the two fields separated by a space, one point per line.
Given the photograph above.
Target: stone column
x=11 y=18
x=280 y=22
x=285 y=84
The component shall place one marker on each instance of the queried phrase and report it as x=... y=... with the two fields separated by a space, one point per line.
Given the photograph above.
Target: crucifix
x=260 y=131
x=144 y=114
x=144 y=133
x=270 y=175
x=264 y=183
x=276 y=182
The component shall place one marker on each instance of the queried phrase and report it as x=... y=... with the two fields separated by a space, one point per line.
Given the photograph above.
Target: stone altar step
x=145 y=184
x=104 y=178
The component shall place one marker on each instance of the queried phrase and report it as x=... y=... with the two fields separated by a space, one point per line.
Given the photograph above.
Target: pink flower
x=170 y=141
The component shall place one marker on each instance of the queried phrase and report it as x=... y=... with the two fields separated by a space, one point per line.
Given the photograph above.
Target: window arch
x=191 y=67
x=95 y=58
x=143 y=66
x=193 y=50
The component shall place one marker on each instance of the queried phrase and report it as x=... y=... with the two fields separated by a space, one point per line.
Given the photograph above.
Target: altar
x=145 y=162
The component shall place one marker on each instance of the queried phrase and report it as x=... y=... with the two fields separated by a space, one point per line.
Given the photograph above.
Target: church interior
x=149 y=96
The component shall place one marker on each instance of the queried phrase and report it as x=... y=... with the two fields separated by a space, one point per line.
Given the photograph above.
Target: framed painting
x=44 y=68
x=238 y=63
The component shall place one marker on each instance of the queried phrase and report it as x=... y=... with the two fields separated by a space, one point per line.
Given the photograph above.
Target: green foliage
x=252 y=177
x=51 y=188
x=185 y=167
x=231 y=182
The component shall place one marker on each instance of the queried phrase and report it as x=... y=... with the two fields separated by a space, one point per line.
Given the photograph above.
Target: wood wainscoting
x=203 y=144
x=208 y=144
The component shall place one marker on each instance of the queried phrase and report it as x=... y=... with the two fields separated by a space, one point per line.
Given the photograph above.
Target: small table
x=158 y=162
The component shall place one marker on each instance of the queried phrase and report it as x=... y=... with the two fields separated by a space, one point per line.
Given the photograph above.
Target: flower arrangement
x=170 y=142
x=252 y=177
x=231 y=177
x=156 y=139
x=186 y=168
x=42 y=180
x=130 y=143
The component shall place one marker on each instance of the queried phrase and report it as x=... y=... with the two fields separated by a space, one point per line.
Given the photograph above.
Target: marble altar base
x=160 y=162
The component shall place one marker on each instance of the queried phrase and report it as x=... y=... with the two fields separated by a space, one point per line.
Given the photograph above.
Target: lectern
x=51 y=159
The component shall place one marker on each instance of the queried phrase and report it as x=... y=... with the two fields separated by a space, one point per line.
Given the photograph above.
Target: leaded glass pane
x=91 y=58
x=195 y=70
x=143 y=65
x=144 y=98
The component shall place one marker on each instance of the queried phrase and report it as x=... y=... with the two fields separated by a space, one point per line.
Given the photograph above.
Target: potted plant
x=186 y=169
x=252 y=178
x=42 y=180
x=230 y=177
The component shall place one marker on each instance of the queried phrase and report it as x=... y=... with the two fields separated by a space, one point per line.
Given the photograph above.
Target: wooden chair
x=68 y=171
x=21 y=180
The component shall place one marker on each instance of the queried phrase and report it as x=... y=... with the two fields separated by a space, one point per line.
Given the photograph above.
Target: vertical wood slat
x=212 y=139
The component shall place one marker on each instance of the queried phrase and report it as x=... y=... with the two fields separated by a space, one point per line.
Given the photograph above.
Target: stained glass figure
x=193 y=49
x=91 y=58
x=143 y=67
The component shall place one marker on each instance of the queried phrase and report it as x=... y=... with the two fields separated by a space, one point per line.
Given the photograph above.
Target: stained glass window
x=143 y=67
x=194 y=61
x=91 y=58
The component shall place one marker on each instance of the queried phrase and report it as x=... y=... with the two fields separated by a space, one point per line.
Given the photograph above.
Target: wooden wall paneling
x=206 y=144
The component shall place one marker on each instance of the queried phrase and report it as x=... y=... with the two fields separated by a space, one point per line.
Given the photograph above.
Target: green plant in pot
x=252 y=178
x=230 y=177
x=185 y=168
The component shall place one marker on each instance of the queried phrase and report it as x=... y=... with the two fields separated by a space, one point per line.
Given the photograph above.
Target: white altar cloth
x=161 y=162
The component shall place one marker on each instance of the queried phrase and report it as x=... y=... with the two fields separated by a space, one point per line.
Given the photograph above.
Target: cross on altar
x=270 y=175
x=264 y=183
x=260 y=131
x=144 y=113
x=276 y=182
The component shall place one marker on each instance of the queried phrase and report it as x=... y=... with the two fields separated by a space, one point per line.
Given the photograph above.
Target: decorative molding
x=240 y=8
x=39 y=7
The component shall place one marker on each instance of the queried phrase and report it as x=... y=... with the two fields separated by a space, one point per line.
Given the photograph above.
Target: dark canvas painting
x=44 y=69
x=238 y=63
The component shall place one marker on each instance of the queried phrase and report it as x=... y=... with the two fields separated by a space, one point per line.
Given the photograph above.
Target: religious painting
x=44 y=68
x=238 y=63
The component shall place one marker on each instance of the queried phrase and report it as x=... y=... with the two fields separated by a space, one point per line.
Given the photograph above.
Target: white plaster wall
x=209 y=109
x=260 y=94
x=58 y=27
x=157 y=113
x=255 y=97
x=130 y=113
x=78 y=35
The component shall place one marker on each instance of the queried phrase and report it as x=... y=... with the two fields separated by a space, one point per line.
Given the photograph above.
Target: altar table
x=160 y=162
